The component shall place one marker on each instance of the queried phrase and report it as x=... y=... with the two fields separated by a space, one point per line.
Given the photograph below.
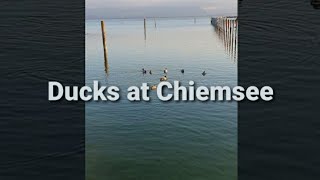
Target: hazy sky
x=159 y=8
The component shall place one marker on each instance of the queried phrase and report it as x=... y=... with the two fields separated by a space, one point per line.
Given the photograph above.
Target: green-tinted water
x=160 y=140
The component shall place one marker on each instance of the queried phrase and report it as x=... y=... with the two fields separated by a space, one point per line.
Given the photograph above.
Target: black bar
x=41 y=41
x=279 y=46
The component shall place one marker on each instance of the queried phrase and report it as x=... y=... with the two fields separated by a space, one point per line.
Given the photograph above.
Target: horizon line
x=160 y=17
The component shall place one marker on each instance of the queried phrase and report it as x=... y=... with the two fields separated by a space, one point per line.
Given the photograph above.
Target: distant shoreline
x=163 y=17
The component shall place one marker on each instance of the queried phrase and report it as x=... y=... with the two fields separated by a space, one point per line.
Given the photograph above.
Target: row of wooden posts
x=225 y=23
x=227 y=30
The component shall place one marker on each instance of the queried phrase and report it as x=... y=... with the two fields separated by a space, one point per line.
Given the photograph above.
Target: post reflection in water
x=106 y=66
x=227 y=30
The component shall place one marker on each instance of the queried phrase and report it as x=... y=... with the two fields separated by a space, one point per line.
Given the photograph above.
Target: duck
x=182 y=71
x=150 y=72
x=204 y=73
x=165 y=70
x=154 y=87
x=164 y=78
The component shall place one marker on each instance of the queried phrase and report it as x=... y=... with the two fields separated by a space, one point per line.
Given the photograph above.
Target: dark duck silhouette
x=204 y=73
x=144 y=71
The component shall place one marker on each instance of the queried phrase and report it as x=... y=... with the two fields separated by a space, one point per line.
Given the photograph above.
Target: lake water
x=160 y=140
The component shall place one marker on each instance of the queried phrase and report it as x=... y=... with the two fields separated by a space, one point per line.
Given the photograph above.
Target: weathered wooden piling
x=224 y=23
x=145 y=29
x=104 y=42
x=227 y=30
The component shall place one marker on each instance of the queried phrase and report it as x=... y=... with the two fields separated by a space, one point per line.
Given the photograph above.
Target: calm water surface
x=160 y=140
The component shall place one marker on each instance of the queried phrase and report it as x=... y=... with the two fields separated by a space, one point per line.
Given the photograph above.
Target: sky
x=159 y=8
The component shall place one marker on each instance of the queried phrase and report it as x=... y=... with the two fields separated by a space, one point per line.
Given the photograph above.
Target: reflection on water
x=106 y=66
x=227 y=30
x=159 y=140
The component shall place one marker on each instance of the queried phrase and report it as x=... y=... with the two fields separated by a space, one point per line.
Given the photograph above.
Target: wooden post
x=155 y=23
x=145 y=29
x=225 y=27
x=105 y=48
x=223 y=24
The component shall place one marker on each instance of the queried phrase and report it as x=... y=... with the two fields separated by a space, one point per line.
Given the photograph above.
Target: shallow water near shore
x=160 y=140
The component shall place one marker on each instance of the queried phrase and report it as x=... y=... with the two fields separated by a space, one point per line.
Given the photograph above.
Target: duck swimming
x=150 y=72
x=182 y=71
x=164 y=78
x=154 y=87
x=204 y=73
x=165 y=70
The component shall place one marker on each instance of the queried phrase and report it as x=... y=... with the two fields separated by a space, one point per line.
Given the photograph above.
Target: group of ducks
x=164 y=78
